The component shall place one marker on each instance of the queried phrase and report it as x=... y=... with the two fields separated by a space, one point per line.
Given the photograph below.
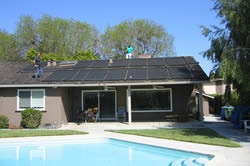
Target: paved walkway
x=227 y=129
x=232 y=156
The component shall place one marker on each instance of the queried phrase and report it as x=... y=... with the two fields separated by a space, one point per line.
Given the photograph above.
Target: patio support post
x=201 y=104
x=129 y=105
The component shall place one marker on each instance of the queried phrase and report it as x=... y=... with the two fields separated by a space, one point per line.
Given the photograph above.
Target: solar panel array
x=130 y=70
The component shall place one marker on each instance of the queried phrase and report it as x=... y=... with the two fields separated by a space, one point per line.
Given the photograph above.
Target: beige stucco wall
x=54 y=108
x=8 y=106
x=210 y=88
x=205 y=106
x=66 y=107
x=215 y=87
x=63 y=104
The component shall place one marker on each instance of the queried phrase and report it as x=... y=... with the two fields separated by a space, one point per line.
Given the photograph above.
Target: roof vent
x=144 y=56
x=51 y=63
x=110 y=60
x=67 y=63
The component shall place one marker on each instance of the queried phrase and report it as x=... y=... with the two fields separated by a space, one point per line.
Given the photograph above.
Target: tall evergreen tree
x=230 y=46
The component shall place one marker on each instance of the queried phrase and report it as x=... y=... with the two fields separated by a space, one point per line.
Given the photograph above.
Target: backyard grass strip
x=195 y=135
x=36 y=132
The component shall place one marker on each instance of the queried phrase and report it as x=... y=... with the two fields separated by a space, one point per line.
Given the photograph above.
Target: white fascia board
x=102 y=84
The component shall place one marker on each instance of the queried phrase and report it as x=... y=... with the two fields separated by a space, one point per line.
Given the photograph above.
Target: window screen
x=24 y=99
x=33 y=98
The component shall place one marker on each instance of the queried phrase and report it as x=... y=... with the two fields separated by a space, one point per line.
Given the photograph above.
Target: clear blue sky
x=181 y=18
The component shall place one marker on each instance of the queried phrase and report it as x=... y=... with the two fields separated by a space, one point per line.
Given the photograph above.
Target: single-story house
x=146 y=89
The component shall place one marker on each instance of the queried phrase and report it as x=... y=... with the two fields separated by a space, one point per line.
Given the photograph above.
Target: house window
x=151 y=100
x=31 y=98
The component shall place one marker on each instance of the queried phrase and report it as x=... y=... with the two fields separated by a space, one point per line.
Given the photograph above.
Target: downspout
x=129 y=105
x=201 y=104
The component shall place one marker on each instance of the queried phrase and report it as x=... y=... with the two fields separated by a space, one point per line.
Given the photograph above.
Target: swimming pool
x=95 y=151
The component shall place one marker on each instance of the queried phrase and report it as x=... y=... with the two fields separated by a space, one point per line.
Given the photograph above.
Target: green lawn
x=36 y=132
x=195 y=135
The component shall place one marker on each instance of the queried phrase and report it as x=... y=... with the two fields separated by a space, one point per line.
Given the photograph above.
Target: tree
x=55 y=38
x=144 y=35
x=26 y=34
x=51 y=34
x=230 y=46
x=84 y=55
x=30 y=55
x=82 y=37
x=65 y=37
x=8 y=48
x=151 y=39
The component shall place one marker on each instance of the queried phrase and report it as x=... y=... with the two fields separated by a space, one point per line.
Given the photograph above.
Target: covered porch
x=132 y=103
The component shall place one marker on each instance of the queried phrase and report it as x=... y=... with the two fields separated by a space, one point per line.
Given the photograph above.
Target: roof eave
x=53 y=85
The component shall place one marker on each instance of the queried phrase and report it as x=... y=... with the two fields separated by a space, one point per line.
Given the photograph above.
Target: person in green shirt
x=129 y=52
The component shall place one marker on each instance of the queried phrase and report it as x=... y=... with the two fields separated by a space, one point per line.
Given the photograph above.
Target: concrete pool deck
x=223 y=155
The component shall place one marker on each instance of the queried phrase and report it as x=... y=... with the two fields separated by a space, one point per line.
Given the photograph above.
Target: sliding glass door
x=90 y=100
x=107 y=104
x=105 y=101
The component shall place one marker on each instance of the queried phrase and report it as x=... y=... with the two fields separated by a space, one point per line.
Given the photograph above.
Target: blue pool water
x=104 y=152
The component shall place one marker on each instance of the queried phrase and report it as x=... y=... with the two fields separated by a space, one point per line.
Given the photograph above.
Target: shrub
x=31 y=118
x=234 y=99
x=4 y=122
x=220 y=100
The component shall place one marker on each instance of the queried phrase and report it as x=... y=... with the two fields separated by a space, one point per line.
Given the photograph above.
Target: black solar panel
x=116 y=74
x=80 y=75
x=156 y=62
x=127 y=69
x=190 y=59
x=198 y=73
x=137 y=74
x=71 y=75
x=85 y=64
x=60 y=75
x=158 y=73
x=176 y=61
x=96 y=75
x=138 y=62
x=100 y=63
x=179 y=73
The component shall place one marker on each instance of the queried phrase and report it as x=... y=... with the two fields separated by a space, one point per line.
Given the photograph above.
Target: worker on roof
x=37 y=65
x=129 y=52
